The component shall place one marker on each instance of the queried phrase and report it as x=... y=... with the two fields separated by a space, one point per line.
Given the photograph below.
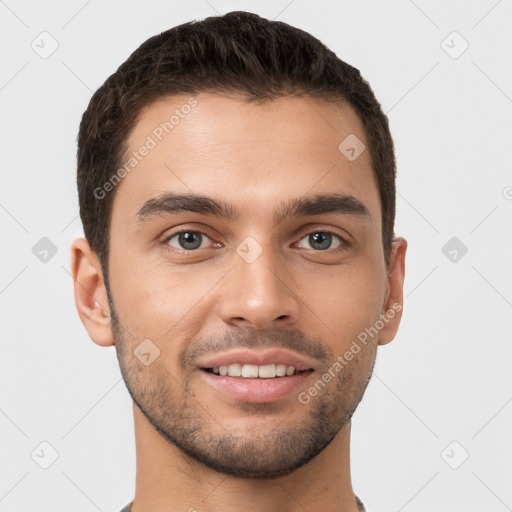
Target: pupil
x=320 y=241
x=190 y=240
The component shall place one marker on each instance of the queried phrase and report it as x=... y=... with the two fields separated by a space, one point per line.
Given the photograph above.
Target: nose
x=260 y=294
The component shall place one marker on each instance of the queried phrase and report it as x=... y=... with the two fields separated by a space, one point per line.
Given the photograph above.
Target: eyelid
x=188 y=227
x=185 y=230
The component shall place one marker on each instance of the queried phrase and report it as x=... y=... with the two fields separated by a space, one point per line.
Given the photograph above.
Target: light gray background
x=446 y=377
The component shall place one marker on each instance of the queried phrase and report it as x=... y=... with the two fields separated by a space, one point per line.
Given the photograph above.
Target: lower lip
x=256 y=390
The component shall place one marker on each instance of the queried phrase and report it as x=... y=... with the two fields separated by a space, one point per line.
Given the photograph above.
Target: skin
x=277 y=456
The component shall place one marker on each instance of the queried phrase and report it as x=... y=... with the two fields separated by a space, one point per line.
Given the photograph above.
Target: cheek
x=158 y=300
x=347 y=302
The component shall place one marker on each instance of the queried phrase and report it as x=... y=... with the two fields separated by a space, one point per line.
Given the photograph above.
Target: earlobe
x=393 y=304
x=90 y=293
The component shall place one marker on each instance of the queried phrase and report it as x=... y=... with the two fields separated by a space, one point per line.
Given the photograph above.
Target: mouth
x=253 y=371
x=256 y=377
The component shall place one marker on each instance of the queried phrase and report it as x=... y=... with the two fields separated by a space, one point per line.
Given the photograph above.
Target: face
x=245 y=260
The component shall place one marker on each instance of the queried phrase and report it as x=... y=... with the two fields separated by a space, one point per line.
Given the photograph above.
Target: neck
x=169 y=480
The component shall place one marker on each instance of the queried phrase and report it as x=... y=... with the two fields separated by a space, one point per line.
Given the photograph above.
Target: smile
x=252 y=371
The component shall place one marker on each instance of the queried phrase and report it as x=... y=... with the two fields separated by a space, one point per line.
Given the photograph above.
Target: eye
x=321 y=241
x=188 y=240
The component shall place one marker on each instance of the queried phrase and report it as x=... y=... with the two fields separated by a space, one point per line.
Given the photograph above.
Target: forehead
x=250 y=153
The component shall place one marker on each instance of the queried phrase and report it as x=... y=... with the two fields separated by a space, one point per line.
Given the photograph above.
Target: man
x=237 y=191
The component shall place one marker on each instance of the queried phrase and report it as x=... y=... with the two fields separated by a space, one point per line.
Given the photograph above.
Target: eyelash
x=345 y=244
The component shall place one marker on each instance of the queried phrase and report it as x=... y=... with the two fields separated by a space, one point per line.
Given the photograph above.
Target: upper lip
x=259 y=358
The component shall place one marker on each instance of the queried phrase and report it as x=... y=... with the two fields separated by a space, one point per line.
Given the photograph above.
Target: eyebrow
x=170 y=203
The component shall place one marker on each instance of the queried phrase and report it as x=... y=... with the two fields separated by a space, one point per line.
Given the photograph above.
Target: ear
x=393 y=304
x=90 y=293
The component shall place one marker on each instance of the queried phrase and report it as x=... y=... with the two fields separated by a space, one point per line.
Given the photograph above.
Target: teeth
x=281 y=370
x=267 y=371
x=235 y=370
x=252 y=371
x=249 y=371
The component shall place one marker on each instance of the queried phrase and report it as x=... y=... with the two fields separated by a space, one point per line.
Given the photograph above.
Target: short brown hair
x=239 y=52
